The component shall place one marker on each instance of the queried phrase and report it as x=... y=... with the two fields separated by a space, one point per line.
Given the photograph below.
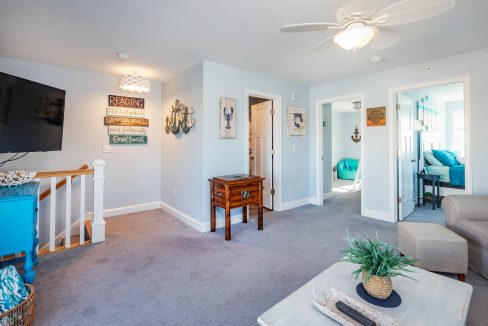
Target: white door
x=406 y=156
x=262 y=146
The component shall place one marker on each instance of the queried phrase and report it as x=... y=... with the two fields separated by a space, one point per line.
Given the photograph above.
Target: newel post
x=98 y=223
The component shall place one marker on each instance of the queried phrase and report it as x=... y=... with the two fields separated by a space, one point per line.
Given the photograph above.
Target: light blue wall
x=349 y=123
x=328 y=135
x=182 y=155
x=228 y=156
x=377 y=182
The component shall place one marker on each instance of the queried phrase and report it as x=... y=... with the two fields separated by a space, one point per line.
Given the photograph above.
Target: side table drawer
x=12 y=226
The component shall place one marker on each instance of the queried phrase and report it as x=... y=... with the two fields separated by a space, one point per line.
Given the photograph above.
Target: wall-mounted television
x=31 y=116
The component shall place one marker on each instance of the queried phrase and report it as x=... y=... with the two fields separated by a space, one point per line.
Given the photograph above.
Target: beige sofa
x=467 y=215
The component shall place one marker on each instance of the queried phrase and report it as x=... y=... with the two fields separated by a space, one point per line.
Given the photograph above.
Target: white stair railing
x=98 y=222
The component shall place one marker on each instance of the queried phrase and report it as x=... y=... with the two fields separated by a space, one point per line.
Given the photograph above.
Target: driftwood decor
x=126 y=120
x=180 y=120
x=228 y=113
x=297 y=122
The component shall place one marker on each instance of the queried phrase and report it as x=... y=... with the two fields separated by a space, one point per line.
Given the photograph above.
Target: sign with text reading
x=125 y=112
x=124 y=130
x=123 y=121
x=127 y=139
x=126 y=102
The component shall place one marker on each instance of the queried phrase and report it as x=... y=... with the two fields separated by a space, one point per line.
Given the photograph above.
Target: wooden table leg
x=227 y=213
x=244 y=214
x=418 y=191
x=212 y=208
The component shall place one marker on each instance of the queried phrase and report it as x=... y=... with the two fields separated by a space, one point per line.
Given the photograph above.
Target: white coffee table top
x=430 y=300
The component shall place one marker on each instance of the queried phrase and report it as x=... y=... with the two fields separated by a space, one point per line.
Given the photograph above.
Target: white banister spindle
x=67 y=232
x=52 y=216
x=82 y=209
x=98 y=224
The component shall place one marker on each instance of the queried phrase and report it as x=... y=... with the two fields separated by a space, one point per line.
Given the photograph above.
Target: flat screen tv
x=31 y=116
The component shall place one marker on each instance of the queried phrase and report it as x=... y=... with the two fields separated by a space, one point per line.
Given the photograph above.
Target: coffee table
x=430 y=300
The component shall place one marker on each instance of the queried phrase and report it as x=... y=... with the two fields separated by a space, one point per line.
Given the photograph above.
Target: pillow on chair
x=445 y=157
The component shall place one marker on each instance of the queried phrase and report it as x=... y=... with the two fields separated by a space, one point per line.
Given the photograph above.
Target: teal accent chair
x=347 y=168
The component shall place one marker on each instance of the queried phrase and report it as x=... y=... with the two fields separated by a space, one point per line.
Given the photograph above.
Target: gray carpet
x=154 y=270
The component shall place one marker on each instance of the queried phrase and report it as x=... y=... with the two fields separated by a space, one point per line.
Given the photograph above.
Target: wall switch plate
x=106 y=149
x=293 y=147
x=174 y=191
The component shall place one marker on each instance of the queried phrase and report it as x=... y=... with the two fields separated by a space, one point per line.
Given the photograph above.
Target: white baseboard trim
x=130 y=209
x=297 y=203
x=196 y=224
x=378 y=215
x=328 y=195
x=187 y=219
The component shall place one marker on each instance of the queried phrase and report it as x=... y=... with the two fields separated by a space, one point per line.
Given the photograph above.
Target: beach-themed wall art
x=297 y=122
x=376 y=116
x=180 y=119
x=126 y=120
x=228 y=116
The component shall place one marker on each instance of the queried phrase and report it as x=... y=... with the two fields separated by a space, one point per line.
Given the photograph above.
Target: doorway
x=261 y=145
x=432 y=142
x=339 y=139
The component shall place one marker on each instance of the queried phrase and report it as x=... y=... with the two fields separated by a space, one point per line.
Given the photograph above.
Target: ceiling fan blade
x=323 y=45
x=306 y=27
x=384 y=39
x=408 y=11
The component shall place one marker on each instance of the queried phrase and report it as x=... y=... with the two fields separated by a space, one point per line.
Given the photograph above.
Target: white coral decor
x=15 y=178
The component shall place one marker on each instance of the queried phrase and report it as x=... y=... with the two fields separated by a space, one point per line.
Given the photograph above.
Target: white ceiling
x=164 y=37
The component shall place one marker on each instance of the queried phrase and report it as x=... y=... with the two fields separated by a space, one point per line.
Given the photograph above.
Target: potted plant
x=428 y=196
x=378 y=263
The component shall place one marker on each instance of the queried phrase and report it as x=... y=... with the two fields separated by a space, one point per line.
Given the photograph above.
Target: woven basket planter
x=378 y=287
x=23 y=314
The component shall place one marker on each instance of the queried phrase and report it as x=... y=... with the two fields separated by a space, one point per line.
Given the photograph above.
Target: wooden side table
x=233 y=191
x=435 y=179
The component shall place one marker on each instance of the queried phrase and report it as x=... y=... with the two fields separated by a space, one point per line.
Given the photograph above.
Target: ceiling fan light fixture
x=355 y=36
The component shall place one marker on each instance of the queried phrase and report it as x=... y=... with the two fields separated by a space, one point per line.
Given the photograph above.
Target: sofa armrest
x=468 y=207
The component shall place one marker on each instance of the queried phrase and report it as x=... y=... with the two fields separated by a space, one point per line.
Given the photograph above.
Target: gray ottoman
x=436 y=248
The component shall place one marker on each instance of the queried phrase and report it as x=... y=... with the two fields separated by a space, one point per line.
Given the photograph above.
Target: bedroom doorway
x=340 y=141
x=432 y=142
x=261 y=145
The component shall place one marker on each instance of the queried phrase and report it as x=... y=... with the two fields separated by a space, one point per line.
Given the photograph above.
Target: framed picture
x=297 y=122
x=376 y=116
x=228 y=116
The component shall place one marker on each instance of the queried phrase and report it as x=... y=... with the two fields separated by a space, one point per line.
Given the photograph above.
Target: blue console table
x=18 y=218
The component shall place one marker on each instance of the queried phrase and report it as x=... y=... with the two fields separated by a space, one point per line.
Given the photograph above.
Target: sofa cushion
x=475 y=231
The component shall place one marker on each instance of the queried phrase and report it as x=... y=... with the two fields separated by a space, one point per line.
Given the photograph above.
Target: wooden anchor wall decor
x=181 y=119
x=356 y=138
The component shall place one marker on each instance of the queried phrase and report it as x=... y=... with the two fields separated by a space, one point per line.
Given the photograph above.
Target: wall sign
x=126 y=102
x=228 y=115
x=125 y=112
x=126 y=120
x=127 y=139
x=297 y=122
x=123 y=121
x=126 y=130
x=376 y=116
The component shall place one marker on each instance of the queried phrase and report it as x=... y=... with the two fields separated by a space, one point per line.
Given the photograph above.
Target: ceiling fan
x=363 y=23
